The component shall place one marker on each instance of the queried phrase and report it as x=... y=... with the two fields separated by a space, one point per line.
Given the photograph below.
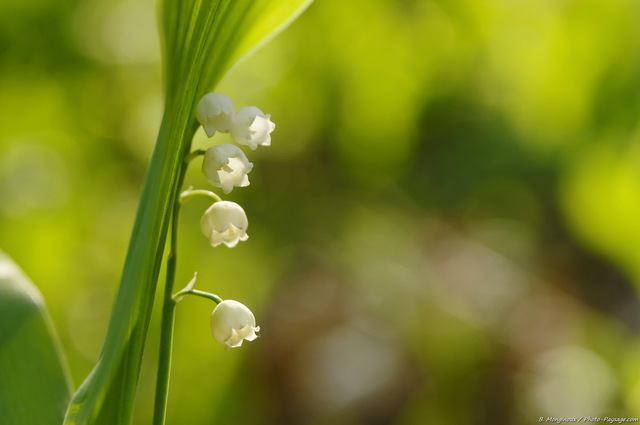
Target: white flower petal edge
x=232 y=323
x=215 y=113
x=251 y=127
x=226 y=166
x=225 y=222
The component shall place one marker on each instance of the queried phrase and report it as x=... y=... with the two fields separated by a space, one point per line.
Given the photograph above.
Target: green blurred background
x=445 y=230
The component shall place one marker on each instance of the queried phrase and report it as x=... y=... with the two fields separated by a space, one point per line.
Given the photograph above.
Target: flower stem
x=198 y=192
x=193 y=155
x=202 y=294
x=168 y=312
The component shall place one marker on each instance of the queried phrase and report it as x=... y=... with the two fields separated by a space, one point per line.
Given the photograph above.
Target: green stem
x=168 y=312
x=193 y=155
x=202 y=294
x=184 y=196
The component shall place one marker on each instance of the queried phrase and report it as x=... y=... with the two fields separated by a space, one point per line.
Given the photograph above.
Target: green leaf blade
x=35 y=385
x=268 y=20
x=211 y=37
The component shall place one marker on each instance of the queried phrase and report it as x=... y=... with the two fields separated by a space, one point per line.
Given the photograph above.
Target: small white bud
x=226 y=166
x=225 y=222
x=232 y=322
x=251 y=127
x=215 y=113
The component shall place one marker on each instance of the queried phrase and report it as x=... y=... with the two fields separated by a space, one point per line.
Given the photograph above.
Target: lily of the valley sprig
x=226 y=166
x=201 y=42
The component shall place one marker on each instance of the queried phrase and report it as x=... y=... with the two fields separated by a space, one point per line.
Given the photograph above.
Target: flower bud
x=232 y=322
x=251 y=127
x=226 y=166
x=225 y=222
x=215 y=113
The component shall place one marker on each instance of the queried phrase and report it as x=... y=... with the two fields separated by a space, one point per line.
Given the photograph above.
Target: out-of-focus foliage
x=36 y=383
x=443 y=231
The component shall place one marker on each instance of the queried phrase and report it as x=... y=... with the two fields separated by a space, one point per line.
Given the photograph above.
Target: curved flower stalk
x=226 y=166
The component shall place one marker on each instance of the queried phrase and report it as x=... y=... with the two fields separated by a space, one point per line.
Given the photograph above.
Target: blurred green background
x=446 y=228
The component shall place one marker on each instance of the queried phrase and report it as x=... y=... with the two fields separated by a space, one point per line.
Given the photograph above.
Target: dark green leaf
x=35 y=387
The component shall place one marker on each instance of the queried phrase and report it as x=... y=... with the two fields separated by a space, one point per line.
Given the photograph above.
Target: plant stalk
x=168 y=311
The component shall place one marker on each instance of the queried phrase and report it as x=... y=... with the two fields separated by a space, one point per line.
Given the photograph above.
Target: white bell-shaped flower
x=225 y=222
x=226 y=166
x=215 y=113
x=232 y=322
x=251 y=127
